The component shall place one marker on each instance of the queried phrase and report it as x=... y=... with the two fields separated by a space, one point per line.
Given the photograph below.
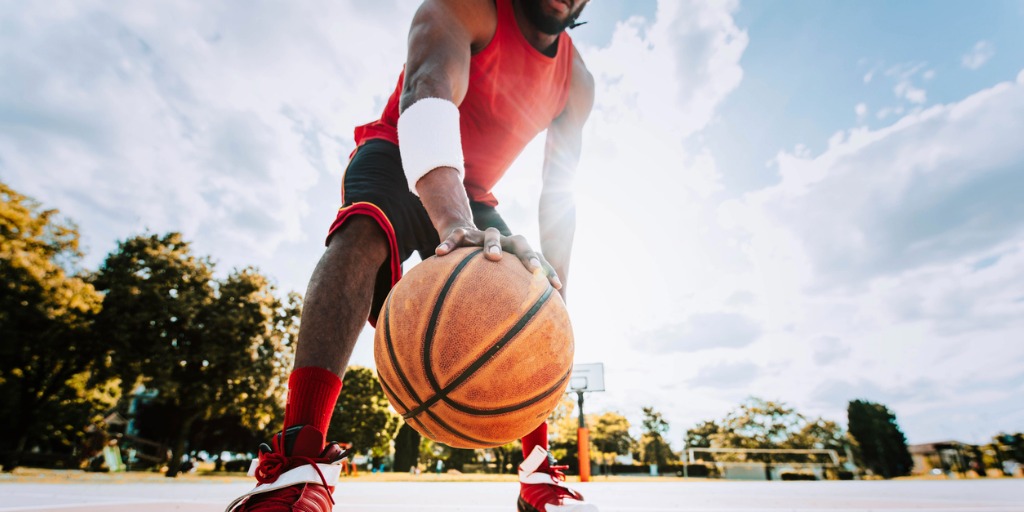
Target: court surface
x=958 y=495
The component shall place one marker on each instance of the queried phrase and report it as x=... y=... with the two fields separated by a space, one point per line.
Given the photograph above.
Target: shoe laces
x=272 y=465
x=557 y=473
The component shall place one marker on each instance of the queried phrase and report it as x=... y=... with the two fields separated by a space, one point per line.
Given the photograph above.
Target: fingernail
x=558 y=283
x=494 y=249
x=442 y=247
x=535 y=263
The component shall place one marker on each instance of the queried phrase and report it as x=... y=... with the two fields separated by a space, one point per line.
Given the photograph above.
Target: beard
x=546 y=23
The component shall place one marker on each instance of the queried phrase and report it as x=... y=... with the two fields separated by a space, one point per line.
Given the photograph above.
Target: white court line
x=105 y=503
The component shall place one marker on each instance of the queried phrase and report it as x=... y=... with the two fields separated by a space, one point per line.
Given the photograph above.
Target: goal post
x=768 y=463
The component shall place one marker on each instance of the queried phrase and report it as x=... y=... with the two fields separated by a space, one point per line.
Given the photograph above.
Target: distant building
x=947 y=457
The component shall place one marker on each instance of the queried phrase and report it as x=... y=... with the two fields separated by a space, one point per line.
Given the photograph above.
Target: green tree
x=654 y=448
x=407 y=448
x=562 y=426
x=610 y=434
x=760 y=424
x=52 y=383
x=883 y=446
x=211 y=348
x=701 y=435
x=610 y=437
x=363 y=416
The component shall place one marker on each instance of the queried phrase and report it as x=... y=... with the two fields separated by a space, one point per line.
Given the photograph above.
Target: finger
x=550 y=271
x=521 y=248
x=454 y=239
x=492 y=244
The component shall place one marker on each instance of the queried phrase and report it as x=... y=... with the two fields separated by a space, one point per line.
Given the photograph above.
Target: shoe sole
x=525 y=507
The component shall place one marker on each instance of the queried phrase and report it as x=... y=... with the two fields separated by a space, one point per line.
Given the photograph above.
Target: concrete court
x=959 y=495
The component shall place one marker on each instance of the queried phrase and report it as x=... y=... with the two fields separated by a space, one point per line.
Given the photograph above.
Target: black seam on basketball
x=449 y=428
x=390 y=392
x=468 y=372
x=428 y=337
x=515 y=407
x=391 y=352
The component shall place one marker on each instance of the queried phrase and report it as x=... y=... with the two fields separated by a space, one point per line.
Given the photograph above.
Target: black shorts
x=374 y=185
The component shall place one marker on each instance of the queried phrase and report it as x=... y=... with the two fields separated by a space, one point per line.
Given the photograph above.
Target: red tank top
x=514 y=93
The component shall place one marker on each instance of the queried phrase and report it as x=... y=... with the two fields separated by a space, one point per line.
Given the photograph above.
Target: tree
x=363 y=415
x=407 y=448
x=760 y=424
x=52 y=383
x=701 y=435
x=211 y=348
x=562 y=426
x=764 y=424
x=654 y=448
x=883 y=446
x=609 y=435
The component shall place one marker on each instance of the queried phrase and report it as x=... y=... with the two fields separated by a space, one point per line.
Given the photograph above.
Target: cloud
x=726 y=375
x=173 y=117
x=703 y=331
x=982 y=52
x=861 y=110
x=904 y=74
x=829 y=349
x=835 y=391
x=935 y=186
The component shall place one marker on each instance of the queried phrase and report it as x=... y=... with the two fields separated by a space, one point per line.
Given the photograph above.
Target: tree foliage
x=609 y=433
x=51 y=379
x=764 y=424
x=653 y=447
x=883 y=446
x=407 y=448
x=363 y=416
x=210 y=347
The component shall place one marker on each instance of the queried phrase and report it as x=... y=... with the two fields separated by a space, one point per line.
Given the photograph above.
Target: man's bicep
x=440 y=48
x=565 y=135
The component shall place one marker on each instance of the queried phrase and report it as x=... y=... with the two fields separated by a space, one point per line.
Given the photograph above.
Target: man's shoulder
x=477 y=17
x=582 y=79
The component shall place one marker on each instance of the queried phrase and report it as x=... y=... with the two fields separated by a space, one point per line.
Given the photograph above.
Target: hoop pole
x=583 y=444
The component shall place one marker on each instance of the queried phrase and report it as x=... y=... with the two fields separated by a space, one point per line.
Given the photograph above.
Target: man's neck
x=544 y=43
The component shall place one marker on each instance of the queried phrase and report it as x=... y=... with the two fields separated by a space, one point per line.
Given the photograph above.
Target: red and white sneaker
x=542 y=486
x=297 y=473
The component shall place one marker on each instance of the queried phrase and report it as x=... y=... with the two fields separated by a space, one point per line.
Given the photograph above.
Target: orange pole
x=583 y=435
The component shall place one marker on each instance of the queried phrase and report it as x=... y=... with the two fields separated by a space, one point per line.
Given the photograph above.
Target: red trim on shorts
x=373 y=211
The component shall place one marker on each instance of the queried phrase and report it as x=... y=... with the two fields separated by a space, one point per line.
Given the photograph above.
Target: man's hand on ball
x=494 y=243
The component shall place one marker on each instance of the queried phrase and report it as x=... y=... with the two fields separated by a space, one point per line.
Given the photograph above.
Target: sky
x=805 y=201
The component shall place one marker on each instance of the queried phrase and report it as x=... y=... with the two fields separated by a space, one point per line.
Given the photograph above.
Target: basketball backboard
x=586 y=377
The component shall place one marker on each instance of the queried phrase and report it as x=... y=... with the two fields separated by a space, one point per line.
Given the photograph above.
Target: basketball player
x=482 y=78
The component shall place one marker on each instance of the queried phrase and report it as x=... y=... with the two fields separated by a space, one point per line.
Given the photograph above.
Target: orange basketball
x=473 y=353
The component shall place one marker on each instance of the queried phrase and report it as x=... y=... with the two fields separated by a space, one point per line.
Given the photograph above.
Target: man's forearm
x=444 y=198
x=557 y=228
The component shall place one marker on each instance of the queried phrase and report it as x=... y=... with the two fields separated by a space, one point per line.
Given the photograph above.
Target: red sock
x=539 y=437
x=312 y=394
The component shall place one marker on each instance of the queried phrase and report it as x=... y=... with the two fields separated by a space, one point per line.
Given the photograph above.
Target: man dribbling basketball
x=482 y=78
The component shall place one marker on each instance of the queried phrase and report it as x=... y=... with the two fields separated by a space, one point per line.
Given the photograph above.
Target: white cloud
x=861 y=109
x=726 y=375
x=906 y=240
x=177 y=117
x=982 y=52
x=905 y=75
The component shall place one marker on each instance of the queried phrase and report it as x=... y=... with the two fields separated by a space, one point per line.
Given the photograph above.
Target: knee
x=360 y=235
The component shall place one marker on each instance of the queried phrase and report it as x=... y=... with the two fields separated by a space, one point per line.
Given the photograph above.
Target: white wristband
x=428 y=138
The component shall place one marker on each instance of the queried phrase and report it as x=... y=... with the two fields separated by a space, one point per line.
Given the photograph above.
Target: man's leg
x=539 y=437
x=337 y=304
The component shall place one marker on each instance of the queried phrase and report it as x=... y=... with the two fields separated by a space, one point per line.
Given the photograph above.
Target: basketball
x=473 y=353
